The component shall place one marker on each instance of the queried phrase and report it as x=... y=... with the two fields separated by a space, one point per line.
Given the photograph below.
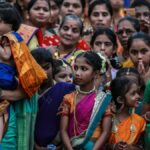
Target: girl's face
x=54 y=12
x=73 y=7
x=100 y=17
x=4 y=28
x=125 y=30
x=47 y=66
x=84 y=73
x=39 y=13
x=104 y=45
x=143 y=15
x=140 y=52
x=132 y=96
x=65 y=75
x=70 y=33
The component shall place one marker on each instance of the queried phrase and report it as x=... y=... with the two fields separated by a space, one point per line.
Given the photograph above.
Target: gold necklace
x=115 y=130
x=85 y=92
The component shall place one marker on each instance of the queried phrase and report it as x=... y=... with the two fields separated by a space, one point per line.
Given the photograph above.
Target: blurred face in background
x=71 y=7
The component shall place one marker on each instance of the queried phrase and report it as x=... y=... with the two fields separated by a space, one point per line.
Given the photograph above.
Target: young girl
x=62 y=71
x=80 y=107
x=127 y=128
x=139 y=52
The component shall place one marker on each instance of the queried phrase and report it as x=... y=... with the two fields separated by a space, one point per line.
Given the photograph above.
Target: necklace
x=85 y=92
x=115 y=130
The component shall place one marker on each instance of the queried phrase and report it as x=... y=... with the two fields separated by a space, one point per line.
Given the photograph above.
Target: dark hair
x=133 y=21
x=92 y=59
x=137 y=3
x=58 y=63
x=82 y=3
x=100 y=2
x=57 y=2
x=132 y=72
x=32 y=2
x=138 y=35
x=72 y=17
x=42 y=55
x=119 y=87
x=107 y=31
x=10 y=15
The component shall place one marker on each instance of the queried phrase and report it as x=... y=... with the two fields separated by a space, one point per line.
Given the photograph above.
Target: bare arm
x=5 y=53
x=106 y=128
x=63 y=130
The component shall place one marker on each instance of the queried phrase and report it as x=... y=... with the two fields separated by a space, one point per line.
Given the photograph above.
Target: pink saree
x=80 y=117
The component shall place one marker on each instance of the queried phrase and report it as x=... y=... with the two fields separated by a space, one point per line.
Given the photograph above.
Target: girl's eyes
x=44 y=9
x=144 y=51
x=107 y=44
x=83 y=68
x=105 y=14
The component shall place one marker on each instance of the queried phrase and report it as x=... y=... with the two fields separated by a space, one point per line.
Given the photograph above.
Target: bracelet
x=114 y=146
x=146 y=118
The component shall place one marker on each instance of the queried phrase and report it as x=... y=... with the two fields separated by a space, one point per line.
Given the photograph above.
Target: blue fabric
x=7 y=77
x=47 y=122
x=18 y=36
x=127 y=3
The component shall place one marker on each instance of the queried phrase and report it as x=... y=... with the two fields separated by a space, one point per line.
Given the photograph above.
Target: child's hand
x=141 y=68
x=120 y=146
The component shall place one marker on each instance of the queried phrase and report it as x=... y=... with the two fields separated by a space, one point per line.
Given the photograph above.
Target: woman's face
x=54 y=12
x=140 y=52
x=100 y=17
x=125 y=30
x=143 y=15
x=39 y=13
x=104 y=45
x=71 y=7
x=70 y=33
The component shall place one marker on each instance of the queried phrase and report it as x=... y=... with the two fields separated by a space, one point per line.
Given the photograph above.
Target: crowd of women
x=74 y=75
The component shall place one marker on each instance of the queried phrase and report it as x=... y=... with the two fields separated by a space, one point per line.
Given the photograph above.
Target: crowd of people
x=74 y=74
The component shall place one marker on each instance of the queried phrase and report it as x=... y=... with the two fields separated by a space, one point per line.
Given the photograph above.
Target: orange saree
x=129 y=130
x=30 y=74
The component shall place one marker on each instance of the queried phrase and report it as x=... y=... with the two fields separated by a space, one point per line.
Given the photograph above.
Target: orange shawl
x=30 y=74
x=124 y=133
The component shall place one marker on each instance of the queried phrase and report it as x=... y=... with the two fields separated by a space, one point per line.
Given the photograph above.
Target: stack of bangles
x=146 y=118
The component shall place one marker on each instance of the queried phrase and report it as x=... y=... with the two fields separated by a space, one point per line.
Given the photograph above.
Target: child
x=139 y=52
x=127 y=128
x=49 y=101
x=62 y=71
x=78 y=108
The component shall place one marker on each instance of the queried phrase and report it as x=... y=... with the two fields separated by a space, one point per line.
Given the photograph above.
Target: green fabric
x=147 y=93
x=26 y=111
x=9 y=139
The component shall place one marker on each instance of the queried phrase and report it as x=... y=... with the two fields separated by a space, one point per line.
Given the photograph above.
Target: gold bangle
x=146 y=118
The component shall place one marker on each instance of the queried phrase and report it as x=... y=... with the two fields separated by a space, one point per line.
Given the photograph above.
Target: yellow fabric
x=124 y=133
x=30 y=74
x=28 y=34
x=128 y=63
